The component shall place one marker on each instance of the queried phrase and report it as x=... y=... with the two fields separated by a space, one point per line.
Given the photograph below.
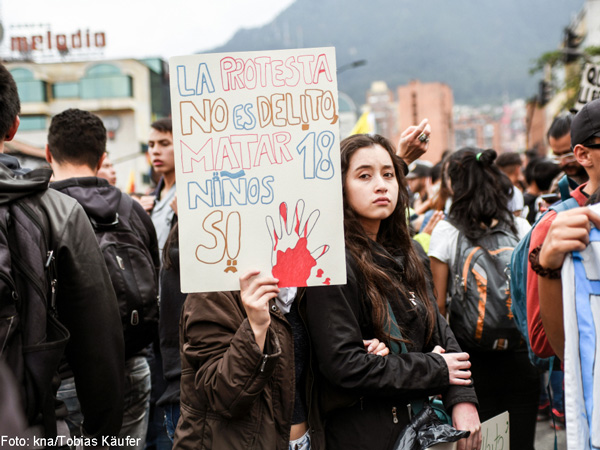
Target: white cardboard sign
x=590 y=85
x=257 y=165
x=495 y=434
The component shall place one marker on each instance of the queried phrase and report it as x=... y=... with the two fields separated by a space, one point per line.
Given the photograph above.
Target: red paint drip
x=327 y=281
x=276 y=240
x=294 y=265
x=298 y=224
x=320 y=273
x=283 y=212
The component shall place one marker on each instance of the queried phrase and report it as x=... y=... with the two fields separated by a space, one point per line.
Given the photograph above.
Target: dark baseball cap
x=419 y=170
x=586 y=124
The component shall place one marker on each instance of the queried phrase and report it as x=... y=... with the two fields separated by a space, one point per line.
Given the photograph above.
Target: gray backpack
x=480 y=308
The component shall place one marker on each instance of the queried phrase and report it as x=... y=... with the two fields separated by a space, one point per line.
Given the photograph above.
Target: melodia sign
x=48 y=41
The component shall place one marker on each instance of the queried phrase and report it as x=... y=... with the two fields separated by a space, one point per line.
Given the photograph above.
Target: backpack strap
x=125 y=209
x=565 y=185
x=565 y=205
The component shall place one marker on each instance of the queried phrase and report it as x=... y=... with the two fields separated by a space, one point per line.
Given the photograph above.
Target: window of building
x=30 y=89
x=32 y=123
x=105 y=81
x=22 y=75
x=65 y=90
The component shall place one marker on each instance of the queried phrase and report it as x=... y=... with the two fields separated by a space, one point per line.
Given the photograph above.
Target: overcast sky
x=140 y=28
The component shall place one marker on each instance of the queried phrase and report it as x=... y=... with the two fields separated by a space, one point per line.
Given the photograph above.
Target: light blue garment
x=581 y=310
x=162 y=217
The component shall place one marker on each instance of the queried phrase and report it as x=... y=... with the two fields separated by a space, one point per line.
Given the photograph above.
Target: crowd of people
x=264 y=367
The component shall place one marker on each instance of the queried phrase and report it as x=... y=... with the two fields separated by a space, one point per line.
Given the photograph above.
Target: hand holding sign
x=256 y=292
x=291 y=259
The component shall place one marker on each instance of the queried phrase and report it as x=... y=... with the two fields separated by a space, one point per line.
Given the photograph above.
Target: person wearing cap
x=417 y=179
x=561 y=234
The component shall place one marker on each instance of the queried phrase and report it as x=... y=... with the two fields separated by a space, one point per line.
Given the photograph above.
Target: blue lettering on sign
x=226 y=189
x=243 y=118
x=203 y=81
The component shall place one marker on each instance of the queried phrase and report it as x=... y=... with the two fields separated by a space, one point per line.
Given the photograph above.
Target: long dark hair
x=394 y=240
x=480 y=192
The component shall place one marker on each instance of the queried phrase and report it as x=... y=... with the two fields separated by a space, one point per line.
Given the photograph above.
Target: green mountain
x=482 y=48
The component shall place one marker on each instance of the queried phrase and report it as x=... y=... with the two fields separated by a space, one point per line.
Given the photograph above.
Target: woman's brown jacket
x=233 y=396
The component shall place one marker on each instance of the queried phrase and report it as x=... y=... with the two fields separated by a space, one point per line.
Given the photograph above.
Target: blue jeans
x=136 y=402
x=557 y=386
x=172 y=413
x=68 y=395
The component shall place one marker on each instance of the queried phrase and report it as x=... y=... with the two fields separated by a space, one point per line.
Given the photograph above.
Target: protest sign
x=590 y=85
x=257 y=166
x=495 y=434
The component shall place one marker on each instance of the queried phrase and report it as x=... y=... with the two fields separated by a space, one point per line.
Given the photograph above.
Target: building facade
x=381 y=104
x=434 y=101
x=126 y=94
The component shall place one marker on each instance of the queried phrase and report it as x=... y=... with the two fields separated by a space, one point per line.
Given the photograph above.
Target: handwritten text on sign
x=590 y=85
x=257 y=163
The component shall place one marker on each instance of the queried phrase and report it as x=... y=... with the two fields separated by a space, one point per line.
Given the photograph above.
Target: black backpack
x=133 y=276
x=480 y=308
x=32 y=340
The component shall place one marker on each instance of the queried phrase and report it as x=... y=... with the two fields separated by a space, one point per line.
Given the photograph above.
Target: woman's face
x=371 y=187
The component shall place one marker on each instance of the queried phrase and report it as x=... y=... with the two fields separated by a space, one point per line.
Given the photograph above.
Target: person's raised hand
x=147 y=202
x=570 y=231
x=256 y=292
x=414 y=141
x=433 y=221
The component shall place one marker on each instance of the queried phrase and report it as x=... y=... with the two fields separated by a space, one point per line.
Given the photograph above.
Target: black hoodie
x=100 y=201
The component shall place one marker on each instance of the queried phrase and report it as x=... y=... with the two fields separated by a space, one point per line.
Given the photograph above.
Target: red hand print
x=292 y=261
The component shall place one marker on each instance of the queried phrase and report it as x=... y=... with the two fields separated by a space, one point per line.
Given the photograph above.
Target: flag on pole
x=131 y=183
x=364 y=124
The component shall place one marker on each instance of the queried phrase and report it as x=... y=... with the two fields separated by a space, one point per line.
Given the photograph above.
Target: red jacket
x=537 y=335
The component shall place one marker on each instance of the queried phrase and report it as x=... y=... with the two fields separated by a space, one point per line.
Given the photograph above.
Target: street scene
x=296 y=225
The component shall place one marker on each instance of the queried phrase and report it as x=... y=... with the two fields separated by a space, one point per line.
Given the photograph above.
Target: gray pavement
x=544 y=437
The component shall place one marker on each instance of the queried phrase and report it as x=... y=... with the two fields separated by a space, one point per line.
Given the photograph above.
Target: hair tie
x=478 y=156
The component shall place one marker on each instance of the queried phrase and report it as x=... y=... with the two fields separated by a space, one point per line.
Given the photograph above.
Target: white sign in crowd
x=590 y=85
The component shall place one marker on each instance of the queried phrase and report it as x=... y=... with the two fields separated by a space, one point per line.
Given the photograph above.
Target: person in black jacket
x=86 y=305
x=365 y=397
x=76 y=149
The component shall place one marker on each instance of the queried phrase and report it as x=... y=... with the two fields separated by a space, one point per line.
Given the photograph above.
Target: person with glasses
x=559 y=140
x=544 y=293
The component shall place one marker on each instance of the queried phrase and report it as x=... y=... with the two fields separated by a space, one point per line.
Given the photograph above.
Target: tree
x=570 y=59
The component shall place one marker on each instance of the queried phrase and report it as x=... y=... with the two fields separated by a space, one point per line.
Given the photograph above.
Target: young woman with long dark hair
x=503 y=378
x=365 y=397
